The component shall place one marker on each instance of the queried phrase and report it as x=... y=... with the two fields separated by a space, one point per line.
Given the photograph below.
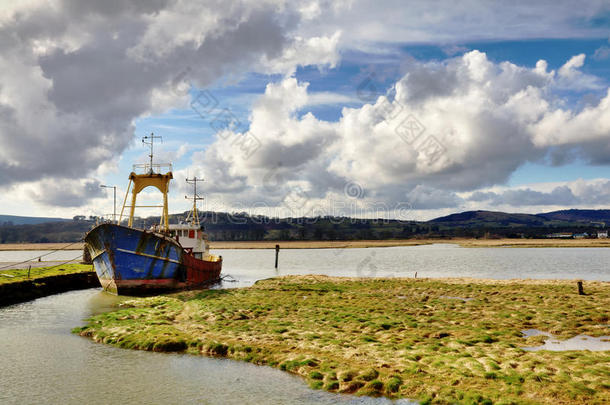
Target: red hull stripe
x=161 y=282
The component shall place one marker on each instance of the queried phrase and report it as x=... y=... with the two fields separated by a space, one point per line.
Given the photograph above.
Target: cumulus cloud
x=571 y=77
x=422 y=197
x=74 y=75
x=589 y=193
x=63 y=193
x=444 y=128
x=321 y=51
x=561 y=195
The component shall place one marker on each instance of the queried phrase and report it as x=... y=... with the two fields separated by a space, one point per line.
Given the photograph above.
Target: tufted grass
x=387 y=337
x=18 y=275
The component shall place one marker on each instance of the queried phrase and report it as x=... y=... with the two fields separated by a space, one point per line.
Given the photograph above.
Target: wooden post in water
x=277 y=253
x=580 y=289
x=86 y=255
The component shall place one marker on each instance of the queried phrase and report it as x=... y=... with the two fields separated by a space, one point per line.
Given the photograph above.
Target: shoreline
x=445 y=341
x=463 y=242
x=17 y=287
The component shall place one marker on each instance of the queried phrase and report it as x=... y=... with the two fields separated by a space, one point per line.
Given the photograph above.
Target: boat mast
x=194 y=214
x=152 y=176
x=152 y=138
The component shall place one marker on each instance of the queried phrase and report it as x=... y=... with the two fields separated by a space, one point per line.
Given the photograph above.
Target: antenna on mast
x=193 y=181
x=145 y=141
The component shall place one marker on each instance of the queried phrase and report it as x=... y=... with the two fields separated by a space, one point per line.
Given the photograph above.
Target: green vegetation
x=243 y=227
x=17 y=275
x=418 y=344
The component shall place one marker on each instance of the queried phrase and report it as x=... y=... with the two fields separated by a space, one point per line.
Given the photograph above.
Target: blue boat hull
x=132 y=261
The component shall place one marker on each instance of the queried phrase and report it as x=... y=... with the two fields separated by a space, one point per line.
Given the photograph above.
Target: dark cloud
x=66 y=193
x=103 y=68
x=561 y=195
x=426 y=198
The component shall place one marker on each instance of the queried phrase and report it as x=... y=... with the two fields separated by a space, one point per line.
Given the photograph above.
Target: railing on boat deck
x=155 y=168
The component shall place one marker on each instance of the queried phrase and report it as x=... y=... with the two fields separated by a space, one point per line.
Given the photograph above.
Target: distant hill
x=241 y=226
x=565 y=219
x=477 y=218
x=578 y=215
x=17 y=220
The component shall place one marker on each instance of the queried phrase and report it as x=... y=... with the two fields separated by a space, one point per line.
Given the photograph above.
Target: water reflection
x=579 y=342
x=42 y=362
x=441 y=260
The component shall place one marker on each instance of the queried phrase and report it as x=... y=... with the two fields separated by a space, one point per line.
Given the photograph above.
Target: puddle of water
x=580 y=342
x=456 y=298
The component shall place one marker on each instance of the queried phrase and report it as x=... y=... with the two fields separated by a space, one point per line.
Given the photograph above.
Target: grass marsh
x=393 y=337
x=17 y=275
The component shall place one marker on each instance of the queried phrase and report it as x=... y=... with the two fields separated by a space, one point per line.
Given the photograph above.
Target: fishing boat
x=164 y=257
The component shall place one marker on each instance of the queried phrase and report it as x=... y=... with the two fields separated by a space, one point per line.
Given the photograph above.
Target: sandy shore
x=413 y=242
x=295 y=244
x=526 y=243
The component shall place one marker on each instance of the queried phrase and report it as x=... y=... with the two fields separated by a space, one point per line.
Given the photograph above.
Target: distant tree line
x=244 y=227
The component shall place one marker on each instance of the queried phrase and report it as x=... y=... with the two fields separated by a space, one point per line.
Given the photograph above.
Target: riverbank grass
x=439 y=341
x=18 y=275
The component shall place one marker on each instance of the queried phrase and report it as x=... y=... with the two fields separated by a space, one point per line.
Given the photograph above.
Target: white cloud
x=540 y=197
x=423 y=197
x=60 y=193
x=570 y=77
x=602 y=53
x=561 y=195
x=329 y=98
x=368 y=24
x=444 y=128
x=75 y=76
x=321 y=51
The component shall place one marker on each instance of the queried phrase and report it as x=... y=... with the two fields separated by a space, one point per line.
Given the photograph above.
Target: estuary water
x=42 y=362
x=47 y=255
x=438 y=260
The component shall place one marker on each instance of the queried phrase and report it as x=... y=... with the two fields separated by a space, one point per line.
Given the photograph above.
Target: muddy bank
x=463 y=242
x=25 y=290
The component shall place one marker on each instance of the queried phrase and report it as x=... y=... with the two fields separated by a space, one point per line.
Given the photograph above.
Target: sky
x=403 y=110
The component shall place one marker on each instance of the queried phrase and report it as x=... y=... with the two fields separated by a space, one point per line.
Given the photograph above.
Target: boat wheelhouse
x=164 y=257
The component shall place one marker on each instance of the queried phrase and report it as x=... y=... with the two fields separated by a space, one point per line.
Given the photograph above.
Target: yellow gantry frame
x=140 y=182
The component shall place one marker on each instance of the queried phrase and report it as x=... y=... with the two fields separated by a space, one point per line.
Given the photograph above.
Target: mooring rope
x=227 y=279
x=61 y=264
x=46 y=254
